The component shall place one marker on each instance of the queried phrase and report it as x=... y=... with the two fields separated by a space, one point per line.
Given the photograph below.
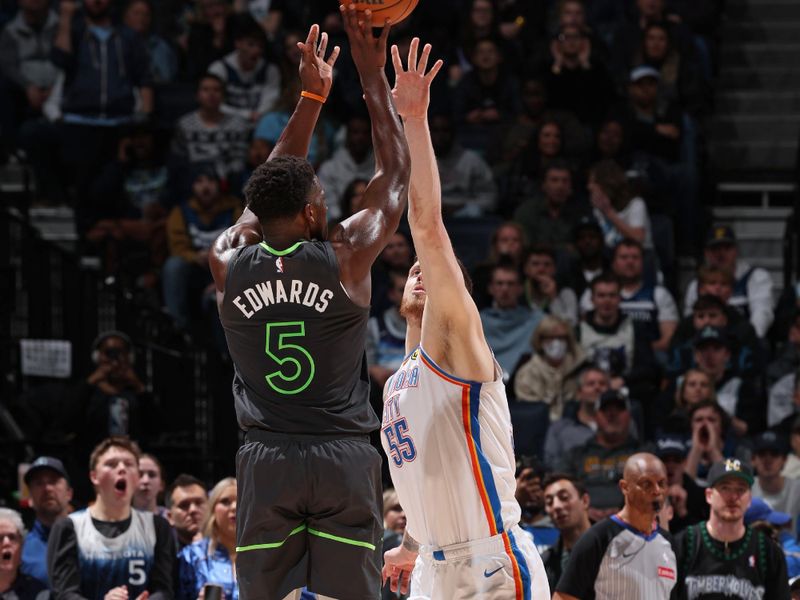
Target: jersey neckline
x=288 y=250
x=632 y=529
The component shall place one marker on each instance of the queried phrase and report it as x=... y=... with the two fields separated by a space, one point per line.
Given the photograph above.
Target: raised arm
x=316 y=76
x=451 y=326
x=359 y=239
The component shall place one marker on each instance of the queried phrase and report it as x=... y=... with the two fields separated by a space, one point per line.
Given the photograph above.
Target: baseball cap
x=45 y=462
x=770 y=440
x=710 y=334
x=643 y=71
x=722 y=234
x=671 y=445
x=587 y=222
x=611 y=397
x=730 y=467
x=759 y=510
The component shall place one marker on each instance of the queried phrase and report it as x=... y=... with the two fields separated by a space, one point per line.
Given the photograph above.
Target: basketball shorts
x=495 y=568
x=308 y=514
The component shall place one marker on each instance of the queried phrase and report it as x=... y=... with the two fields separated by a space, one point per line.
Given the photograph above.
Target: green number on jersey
x=297 y=366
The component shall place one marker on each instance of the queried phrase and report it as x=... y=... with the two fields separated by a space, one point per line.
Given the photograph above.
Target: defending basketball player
x=294 y=301
x=446 y=425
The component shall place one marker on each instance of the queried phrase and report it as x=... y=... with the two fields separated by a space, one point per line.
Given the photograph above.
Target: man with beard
x=112 y=551
x=722 y=557
x=50 y=498
x=627 y=556
x=567 y=504
x=445 y=410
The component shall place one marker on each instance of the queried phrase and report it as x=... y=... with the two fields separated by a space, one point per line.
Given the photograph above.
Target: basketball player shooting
x=294 y=301
x=446 y=424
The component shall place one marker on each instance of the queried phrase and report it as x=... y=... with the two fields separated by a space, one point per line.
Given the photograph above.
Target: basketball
x=394 y=10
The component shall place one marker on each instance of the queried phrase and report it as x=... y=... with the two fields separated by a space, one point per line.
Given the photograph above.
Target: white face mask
x=555 y=349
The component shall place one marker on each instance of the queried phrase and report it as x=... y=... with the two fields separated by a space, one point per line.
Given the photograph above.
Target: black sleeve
x=581 y=571
x=161 y=582
x=679 y=590
x=62 y=562
x=776 y=576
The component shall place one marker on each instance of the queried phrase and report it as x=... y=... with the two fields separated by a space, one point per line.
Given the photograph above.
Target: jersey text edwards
x=299 y=292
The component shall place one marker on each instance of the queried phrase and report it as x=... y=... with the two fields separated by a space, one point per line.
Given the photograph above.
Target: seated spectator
x=694 y=386
x=782 y=493
x=599 y=463
x=210 y=561
x=752 y=291
x=111 y=401
x=609 y=338
x=551 y=373
x=186 y=502
x=468 y=188
x=524 y=177
x=611 y=143
x=27 y=71
x=711 y=440
x=484 y=96
x=106 y=83
x=386 y=336
x=151 y=486
x=209 y=36
x=712 y=311
x=50 y=499
x=575 y=429
x=740 y=397
x=252 y=84
x=111 y=548
x=620 y=214
x=14 y=584
x=589 y=260
x=506 y=245
x=567 y=505
x=784 y=399
x=138 y=17
x=542 y=290
x=354 y=160
x=529 y=494
x=680 y=81
x=208 y=135
x=130 y=198
x=192 y=228
x=778 y=526
x=652 y=308
x=507 y=325
x=550 y=217
x=687 y=498
x=788 y=360
x=576 y=81
x=572 y=13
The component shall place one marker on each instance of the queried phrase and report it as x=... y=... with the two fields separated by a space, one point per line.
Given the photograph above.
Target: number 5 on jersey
x=296 y=365
x=401 y=446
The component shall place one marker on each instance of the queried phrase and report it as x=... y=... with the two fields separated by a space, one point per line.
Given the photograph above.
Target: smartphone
x=212 y=591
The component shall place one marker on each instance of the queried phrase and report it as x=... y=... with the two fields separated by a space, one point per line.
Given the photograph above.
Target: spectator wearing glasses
x=14 y=584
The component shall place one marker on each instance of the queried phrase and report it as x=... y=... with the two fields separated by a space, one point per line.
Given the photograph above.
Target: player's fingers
x=384 y=37
x=323 y=45
x=412 y=53
x=393 y=580
x=366 y=24
x=311 y=39
x=423 y=60
x=334 y=55
x=349 y=18
x=434 y=70
x=398 y=64
x=405 y=579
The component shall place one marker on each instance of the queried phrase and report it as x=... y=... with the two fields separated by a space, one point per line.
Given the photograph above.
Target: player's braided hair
x=279 y=187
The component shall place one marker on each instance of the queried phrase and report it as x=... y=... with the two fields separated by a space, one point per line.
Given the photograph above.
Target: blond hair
x=209 y=527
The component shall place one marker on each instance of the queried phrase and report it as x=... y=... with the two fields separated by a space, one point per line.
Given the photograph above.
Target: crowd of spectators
x=577 y=126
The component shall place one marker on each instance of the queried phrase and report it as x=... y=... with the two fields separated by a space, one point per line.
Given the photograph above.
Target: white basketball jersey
x=450 y=452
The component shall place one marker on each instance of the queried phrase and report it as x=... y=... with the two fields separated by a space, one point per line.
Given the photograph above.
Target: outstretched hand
x=369 y=52
x=316 y=73
x=412 y=87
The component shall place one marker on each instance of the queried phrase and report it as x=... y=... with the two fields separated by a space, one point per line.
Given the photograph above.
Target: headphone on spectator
x=112 y=333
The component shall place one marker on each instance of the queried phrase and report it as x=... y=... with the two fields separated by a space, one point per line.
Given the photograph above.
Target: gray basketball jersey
x=613 y=561
x=297 y=342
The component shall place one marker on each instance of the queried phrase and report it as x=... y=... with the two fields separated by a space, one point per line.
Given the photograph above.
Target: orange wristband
x=311 y=96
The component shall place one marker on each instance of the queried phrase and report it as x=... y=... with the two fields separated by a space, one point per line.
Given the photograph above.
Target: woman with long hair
x=212 y=559
x=620 y=214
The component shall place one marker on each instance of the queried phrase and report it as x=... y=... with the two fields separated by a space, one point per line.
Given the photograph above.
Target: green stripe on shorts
x=297 y=529
x=343 y=540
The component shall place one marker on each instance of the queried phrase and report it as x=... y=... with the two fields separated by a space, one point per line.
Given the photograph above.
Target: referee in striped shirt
x=627 y=556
